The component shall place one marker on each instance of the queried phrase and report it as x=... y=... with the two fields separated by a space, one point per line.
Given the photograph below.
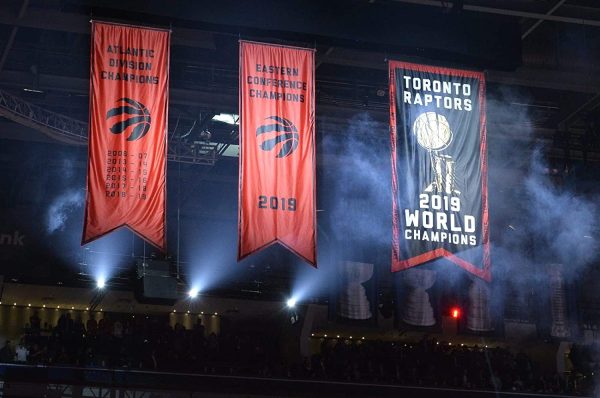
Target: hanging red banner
x=277 y=151
x=439 y=167
x=129 y=90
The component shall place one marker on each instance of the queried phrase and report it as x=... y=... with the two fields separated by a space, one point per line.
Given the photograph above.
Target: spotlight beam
x=101 y=283
x=97 y=299
x=193 y=293
x=291 y=302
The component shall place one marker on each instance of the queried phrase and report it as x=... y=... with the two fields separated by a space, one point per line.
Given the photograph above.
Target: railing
x=38 y=381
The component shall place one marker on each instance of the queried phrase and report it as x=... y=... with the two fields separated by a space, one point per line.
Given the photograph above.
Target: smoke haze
x=61 y=208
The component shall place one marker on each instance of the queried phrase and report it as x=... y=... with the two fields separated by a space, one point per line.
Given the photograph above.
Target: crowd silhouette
x=150 y=343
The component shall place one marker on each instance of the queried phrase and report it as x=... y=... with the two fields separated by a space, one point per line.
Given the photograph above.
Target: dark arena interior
x=118 y=317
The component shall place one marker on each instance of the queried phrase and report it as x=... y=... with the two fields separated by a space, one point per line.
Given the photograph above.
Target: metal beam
x=78 y=23
x=552 y=79
x=57 y=126
x=525 y=76
x=321 y=58
x=588 y=104
x=227 y=102
x=74 y=132
x=539 y=21
x=12 y=35
x=224 y=102
x=501 y=11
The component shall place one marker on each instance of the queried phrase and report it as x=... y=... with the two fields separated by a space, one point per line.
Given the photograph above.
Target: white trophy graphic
x=434 y=134
x=417 y=308
x=353 y=301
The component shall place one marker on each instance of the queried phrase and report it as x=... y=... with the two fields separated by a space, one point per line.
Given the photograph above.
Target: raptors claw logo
x=287 y=134
x=140 y=118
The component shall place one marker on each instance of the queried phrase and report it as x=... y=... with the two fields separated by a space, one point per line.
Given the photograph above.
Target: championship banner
x=439 y=167
x=129 y=92
x=277 y=185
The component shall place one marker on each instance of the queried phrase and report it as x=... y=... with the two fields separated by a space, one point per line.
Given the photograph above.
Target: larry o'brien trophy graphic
x=434 y=134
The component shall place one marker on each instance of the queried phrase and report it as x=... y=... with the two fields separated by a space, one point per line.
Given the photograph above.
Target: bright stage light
x=228 y=118
x=455 y=312
x=101 y=283
x=291 y=303
x=193 y=293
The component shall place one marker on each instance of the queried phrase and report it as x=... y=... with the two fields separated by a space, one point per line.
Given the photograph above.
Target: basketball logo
x=133 y=116
x=285 y=137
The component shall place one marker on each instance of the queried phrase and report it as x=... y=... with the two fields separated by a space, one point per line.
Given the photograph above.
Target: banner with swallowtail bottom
x=127 y=135
x=277 y=185
x=439 y=167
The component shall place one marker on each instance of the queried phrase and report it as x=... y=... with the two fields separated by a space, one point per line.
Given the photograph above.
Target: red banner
x=277 y=151
x=127 y=139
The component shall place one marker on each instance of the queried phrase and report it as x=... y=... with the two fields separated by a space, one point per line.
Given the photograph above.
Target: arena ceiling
x=539 y=57
x=544 y=52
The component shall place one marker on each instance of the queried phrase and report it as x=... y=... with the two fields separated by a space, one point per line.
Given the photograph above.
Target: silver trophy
x=353 y=301
x=479 y=318
x=417 y=307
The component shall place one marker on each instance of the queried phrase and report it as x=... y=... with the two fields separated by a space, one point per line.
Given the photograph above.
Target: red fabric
x=277 y=153
x=127 y=138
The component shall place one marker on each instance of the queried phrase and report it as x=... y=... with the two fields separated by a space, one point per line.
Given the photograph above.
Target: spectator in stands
x=151 y=343
x=37 y=354
x=21 y=352
x=6 y=352
x=35 y=323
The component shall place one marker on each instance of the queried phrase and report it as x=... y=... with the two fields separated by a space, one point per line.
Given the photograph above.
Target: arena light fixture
x=229 y=118
x=193 y=293
x=291 y=303
x=101 y=283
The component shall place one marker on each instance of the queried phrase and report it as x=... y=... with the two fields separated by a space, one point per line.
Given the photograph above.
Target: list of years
x=126 y=174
